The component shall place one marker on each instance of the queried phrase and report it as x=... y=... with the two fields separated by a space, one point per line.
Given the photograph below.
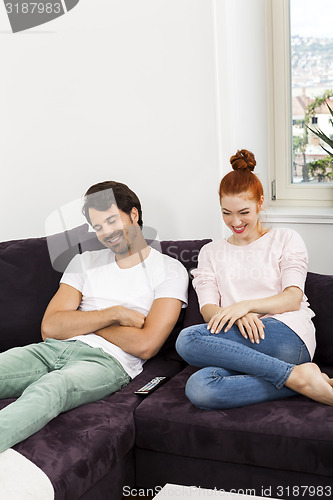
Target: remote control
x=151 y=386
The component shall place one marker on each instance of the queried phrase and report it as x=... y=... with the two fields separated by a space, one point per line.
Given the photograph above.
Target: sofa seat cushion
x=285 y=434
x=79 y=448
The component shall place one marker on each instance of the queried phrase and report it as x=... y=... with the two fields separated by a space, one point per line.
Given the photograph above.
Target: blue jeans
x=49 y=378
x=234 y=372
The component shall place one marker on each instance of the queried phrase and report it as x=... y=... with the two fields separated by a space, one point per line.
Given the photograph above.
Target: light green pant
x=49 y=378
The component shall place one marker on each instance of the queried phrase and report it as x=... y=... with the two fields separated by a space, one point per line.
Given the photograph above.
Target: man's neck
x=134 y=256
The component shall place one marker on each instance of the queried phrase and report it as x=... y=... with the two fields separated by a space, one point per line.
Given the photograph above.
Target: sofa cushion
x=187 y=252
x=319 y=290
x=64 y=246
x=28 y=283
x=29 y=280
x=280 y=434
x=79 y=448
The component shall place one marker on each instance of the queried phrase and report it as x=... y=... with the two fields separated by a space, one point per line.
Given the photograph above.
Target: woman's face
x=240 y=214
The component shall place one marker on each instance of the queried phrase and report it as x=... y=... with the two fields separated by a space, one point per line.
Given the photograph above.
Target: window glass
x=311 y=31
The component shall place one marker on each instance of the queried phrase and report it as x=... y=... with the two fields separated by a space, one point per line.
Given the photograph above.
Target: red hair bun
x=243 y=160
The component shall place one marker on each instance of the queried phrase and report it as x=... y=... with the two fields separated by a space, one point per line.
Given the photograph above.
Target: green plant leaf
x=331 y=110
x=327 y=151
x=319 y=133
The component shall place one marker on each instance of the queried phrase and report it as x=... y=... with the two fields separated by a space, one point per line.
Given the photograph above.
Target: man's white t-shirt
x=104 y=284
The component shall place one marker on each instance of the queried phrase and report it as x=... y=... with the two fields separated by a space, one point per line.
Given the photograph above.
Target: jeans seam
x=115 y=381
x=285 y=378
x=214 y=374
x=221 y=377
x=21 y=375
x=234 y=348
x=61 y=360
x=301 y=351
x=292 y=366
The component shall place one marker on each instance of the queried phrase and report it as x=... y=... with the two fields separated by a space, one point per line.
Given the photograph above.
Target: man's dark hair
x=104 y=194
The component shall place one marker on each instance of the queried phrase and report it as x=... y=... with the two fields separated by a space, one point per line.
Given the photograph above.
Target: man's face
x=115 y=229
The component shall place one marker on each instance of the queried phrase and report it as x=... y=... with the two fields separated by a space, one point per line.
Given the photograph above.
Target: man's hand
x=145 y=342
x=129 y=317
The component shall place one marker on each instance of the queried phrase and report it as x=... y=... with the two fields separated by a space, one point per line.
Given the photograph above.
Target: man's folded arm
x=145 y=342
x=62 y=319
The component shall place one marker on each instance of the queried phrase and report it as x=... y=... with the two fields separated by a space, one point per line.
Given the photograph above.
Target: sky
x=312 y=18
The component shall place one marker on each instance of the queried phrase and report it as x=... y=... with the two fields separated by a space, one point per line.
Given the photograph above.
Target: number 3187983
x=33 y=8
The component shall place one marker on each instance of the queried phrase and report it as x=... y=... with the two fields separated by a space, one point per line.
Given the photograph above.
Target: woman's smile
x=240 y=229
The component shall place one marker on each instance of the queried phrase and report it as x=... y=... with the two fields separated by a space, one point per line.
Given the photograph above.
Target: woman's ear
x=261 y=202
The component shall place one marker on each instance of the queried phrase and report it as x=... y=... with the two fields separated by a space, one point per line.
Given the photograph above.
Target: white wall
x=115 y=89
x=242 y=80
x=154 y=93
x=318 y=239
x=243 y=109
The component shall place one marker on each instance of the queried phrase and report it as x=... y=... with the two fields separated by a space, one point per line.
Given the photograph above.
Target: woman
x=258 y=340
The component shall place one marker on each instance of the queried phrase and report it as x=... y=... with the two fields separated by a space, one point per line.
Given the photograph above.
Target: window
x=300 y=40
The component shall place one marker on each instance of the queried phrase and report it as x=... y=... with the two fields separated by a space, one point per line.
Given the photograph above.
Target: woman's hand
x=251 y=327
x=228 y=315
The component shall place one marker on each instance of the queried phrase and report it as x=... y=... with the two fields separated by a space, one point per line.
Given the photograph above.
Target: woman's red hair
x=242 y=179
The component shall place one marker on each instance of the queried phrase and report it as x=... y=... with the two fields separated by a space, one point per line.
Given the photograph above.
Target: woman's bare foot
x=308 y=380
x=326 y=377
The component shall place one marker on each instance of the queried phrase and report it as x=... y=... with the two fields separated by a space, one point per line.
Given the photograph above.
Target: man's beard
x=119 y=242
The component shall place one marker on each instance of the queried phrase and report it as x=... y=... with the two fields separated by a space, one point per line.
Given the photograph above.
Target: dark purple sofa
x=127 y=443
x=88 y=453
x=282 y=449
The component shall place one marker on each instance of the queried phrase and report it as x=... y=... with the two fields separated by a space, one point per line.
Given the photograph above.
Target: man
x=114 y=309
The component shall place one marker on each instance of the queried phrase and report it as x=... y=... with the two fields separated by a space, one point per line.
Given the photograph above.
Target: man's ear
x=134 y=215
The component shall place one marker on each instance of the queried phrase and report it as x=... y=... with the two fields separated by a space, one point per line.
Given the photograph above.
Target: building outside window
x=302 y=82
x=311 y=62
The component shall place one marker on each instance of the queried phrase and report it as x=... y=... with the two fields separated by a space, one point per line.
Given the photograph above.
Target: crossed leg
x=273 y=369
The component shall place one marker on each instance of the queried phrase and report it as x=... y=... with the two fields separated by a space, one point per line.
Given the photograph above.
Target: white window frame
x=283 y=191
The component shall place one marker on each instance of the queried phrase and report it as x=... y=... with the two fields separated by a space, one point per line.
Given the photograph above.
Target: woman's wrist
x=209 y=310
x=251 y=306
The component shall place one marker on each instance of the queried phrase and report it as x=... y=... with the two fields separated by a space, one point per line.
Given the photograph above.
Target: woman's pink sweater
x=228 y=273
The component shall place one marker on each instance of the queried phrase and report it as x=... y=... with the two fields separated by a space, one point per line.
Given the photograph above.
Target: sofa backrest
x=28 y=282
x=186 y=251
x=319 y=291
x=30 y=271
